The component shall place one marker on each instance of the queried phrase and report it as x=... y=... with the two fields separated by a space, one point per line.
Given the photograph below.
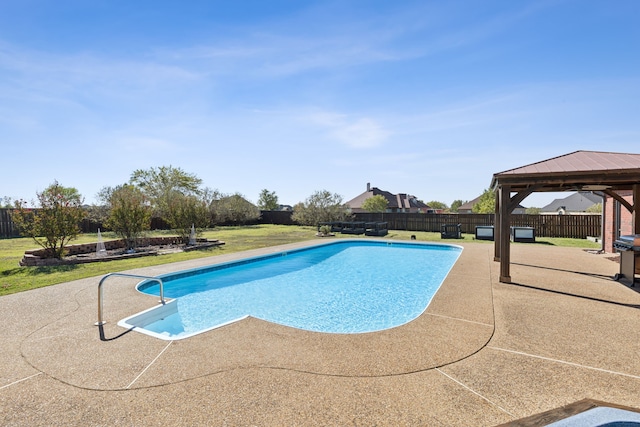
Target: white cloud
x=358 y=133
x=78 y=73
x=363 y=133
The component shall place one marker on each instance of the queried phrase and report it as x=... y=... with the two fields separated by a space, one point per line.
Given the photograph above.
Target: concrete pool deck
x=483 y=354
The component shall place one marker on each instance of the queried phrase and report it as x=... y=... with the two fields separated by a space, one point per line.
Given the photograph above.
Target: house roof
x=469 y=205
x=587 y=170
x=577 y=202
x=399 y=201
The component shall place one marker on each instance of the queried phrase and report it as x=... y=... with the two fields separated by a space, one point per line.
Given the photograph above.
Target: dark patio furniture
x=336 y=226
x=450 y=231
x=353 y=227
x=376 y=229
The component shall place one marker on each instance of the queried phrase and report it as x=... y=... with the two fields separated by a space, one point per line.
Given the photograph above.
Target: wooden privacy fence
x=426 y=222
x=7 y=227
x=569 y=226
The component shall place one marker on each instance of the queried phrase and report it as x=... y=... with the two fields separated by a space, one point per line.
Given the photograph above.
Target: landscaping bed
x=114 y=250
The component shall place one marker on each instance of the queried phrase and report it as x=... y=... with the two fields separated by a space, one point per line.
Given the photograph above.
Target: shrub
x=235 y=209
x=129 y=214
x=321 y=206
x=325 y=230
x=56 y=222
x=186 y=211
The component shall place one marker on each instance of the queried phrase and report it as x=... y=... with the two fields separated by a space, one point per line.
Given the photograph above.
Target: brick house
x=401 y=202
x=616 y=219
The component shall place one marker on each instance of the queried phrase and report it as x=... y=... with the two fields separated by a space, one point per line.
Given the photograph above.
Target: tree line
x=166 y=192
x=169 y=193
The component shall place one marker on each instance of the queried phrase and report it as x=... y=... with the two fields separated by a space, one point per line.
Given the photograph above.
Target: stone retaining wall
x=38 y=257
x=85 y=248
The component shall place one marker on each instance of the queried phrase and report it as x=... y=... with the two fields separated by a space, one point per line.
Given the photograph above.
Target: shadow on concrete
x=583 y=273
x=104 y=338
x=522 y=285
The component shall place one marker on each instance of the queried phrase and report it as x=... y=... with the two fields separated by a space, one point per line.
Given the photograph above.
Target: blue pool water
x=341 y=287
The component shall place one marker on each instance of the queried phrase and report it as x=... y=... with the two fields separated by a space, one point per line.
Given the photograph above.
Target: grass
x=14 y=278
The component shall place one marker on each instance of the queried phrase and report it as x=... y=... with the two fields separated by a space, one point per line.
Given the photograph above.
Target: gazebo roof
x=580 y=170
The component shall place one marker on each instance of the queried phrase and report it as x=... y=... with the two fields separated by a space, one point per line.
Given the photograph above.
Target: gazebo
x=578 y=171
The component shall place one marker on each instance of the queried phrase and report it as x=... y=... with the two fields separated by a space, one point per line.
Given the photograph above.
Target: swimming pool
x=346 y=286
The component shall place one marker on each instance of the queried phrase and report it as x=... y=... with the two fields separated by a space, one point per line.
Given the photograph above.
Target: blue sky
x=423 y=97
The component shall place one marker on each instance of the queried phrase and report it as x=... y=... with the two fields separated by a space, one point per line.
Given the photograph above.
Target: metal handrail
x=101 y=322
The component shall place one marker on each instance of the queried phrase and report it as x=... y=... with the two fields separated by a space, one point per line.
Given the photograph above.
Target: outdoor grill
x=628 y=243
x=629 y=248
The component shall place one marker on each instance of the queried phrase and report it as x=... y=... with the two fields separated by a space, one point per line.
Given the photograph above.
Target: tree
x=532 y=211
x=486 y=203
x=438 y=205
x=377 y=203
x=187 y=211
x=321 y=206
x=99 y=213
x=160 y=184
x=129 y=212
x=56 y=222
x=456 y=204
x=6 y=202
x=235 y=209
x=597 y=208
x=268 y=200
x=210 y=196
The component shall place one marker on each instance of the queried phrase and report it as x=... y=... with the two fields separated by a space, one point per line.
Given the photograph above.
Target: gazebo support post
x=504 y=194
x=496 y=229
x=635 y=213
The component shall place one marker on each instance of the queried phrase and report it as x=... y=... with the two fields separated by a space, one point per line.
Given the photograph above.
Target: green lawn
x=14 y=278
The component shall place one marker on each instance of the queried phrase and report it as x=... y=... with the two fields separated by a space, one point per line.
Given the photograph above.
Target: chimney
x=368 y=186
